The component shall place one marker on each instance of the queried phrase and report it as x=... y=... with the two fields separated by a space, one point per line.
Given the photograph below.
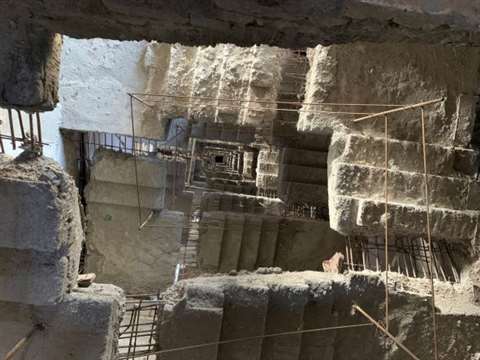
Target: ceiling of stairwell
x=285 y=23
x=30 y=51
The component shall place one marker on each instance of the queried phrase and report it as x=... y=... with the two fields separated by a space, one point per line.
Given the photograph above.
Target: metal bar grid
x=408 y=256
x=31 y=139
x=138 y=331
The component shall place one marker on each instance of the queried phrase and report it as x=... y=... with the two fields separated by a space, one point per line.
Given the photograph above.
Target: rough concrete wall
x=84 y=326
x=224 y=307
x=41 y=231
x=214 y=74
x=40 y=252
x=118 y=252
x=290 y=24
x=397 y=74
x=30 y=66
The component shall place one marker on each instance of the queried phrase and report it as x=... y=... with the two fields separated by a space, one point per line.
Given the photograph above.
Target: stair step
x=245 y=313
x=232 y=242
x=211 y=239
x=368 y=182
x=285 y=313
x=268 y=242
x=405 y=155
x=250 y=242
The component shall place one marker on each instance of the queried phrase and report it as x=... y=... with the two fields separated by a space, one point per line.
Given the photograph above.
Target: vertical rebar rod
x=12 y=130
x=134 y=152
x=32 y=138
x=20 y=122
x=429 y=237
x=39 y=132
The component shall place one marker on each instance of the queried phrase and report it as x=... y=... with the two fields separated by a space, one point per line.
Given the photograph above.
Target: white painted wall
x=95 y=77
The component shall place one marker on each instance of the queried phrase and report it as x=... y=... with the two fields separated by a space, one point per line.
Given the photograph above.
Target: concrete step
x=245 y=314
x=367 y=182
x=268 y=241
x=211 y=234
x=108 y=193
x=285 y=313
x=304 y=157
x=300 y=192
x=250 y=242
x=405 y=155
x=203 y=307
x=116 y=167
x=363 y=216
x=303 y=174
x=232 y=242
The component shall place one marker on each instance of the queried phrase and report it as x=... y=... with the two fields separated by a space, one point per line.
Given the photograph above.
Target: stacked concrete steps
x=216 y=201
x=237 y=241
x=40 y=246
x=303 y=176
x=357 y=189
x=225 y=308
x=239 y=187
x=224 y=132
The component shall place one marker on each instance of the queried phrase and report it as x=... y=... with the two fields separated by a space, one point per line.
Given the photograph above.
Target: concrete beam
x=29 y=66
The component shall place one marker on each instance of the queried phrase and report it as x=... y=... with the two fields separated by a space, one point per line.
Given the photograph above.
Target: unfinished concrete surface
x=40 y=251
x=290 y=24
x=234 y=307
x=138 y=260
x=241 y=241
x=356 y=155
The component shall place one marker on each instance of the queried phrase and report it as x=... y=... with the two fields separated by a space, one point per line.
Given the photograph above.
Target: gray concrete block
x=285 y=313
x=445 y=224
x=212 y=227
x=404 y=187
x=292 y=192
x=245 y=312
x=268 y=242
x=35 y=277
x=203 y=307
x=125 y=195
x=111 y=166
x=304 y=157
x=303 y=174
x=250 y=242
x=83 y=327
x=39 y=206
x=232 y=242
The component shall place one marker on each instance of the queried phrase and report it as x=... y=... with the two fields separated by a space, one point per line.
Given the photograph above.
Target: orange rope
x=429 y=237
x=387 y=323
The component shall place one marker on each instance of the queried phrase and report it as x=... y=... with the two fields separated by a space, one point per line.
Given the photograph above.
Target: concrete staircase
x=227 y=132
x=240 y=241
x=303 y=172
x=357 y=188
x=222 y=308
x=216 y=201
